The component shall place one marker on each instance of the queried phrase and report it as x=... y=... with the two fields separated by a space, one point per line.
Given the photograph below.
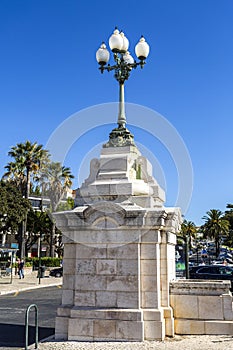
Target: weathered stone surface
x=86 y=266
x=125 y=283
x=61 y=327
x=206 y=310
x=67 y=296
x=130 y=331
x=149 y=267
x=90 y=282
x=149 y=251
x=119 y=246
x=83 y=251
x=129 y=251
x=80 y=327
x=150 y=300
x=154 y=330
x=189 y=326
x=106 y=299
x=185 y=307
x=84 y=298
x=128 y=299
x=104 y=329
x=204 y=307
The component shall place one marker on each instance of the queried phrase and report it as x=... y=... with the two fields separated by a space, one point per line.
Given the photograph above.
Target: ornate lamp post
x=124 y=63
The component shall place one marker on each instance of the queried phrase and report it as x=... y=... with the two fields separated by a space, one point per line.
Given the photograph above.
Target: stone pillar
x=119 y=254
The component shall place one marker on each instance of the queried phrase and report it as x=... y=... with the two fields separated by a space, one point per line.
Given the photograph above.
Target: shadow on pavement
x=14 y=335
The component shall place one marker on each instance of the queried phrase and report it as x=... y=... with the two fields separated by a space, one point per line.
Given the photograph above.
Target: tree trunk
x=4 y=238
x=187 y=256
x=52 y=239
x=22 y=250
x=27 y=192
x=21 y=240
x=217 y=247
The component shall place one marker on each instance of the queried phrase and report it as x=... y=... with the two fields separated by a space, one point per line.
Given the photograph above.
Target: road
x=12 y=315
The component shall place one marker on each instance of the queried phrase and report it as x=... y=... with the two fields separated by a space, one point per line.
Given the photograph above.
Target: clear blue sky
x=48 y=72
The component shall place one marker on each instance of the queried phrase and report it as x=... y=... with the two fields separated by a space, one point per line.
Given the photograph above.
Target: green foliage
x=40 y=225
x=215 y=227
x=229 y=217
x=188 y=228
x=138 y=172
x=55 y=180
x=45 y=261
x=28 y=159
x=13 y=207
x=68 y=205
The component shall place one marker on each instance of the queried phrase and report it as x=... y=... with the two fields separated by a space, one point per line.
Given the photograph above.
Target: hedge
x=45 y=261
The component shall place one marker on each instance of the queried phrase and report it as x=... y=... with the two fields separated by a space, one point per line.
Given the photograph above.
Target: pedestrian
x=21 y=269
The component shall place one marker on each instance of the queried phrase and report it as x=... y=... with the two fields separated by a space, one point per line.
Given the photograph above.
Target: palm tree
x=188 y=231
x=55 y=180
x=215 y=226
x=15 y=175
x=228 y=215
x=28 y=158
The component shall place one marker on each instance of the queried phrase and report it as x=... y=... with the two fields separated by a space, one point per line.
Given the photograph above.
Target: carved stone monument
x=119 y=251
x=119 y=241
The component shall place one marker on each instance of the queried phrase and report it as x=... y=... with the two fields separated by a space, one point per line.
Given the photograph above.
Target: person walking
x=21 y=268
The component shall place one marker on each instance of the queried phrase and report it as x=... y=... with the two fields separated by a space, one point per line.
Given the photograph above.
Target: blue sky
x=48 y=73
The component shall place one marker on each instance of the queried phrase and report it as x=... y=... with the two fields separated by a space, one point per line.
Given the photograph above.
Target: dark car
x=212 y=272
x=56 y=272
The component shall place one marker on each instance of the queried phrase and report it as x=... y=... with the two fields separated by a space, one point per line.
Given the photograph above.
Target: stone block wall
x=118 y=262
x=202 y=307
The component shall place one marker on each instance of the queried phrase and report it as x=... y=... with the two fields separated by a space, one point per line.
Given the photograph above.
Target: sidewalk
x=29 y=282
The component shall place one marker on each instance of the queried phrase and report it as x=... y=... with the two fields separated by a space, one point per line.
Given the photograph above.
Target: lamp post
x=124 y=63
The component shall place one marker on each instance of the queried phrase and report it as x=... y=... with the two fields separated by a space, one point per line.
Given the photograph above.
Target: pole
x=39 y=271
x=121 y=115
x=187 y=256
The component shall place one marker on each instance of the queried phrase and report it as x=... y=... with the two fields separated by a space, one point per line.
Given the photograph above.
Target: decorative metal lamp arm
x=124 y=63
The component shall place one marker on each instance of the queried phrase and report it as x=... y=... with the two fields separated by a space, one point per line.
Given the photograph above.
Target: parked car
x=212 y=272
x=58 y=272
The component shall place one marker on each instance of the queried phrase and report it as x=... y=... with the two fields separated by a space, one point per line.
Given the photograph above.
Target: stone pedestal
x=119 y=254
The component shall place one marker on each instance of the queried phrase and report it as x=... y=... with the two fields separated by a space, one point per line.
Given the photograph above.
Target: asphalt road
x=12 y=315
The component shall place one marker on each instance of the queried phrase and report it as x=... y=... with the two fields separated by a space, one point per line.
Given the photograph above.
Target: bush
x=45 y=261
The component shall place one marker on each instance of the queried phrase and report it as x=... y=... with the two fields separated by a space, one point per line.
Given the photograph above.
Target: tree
x=188 y=231
x=28 y=158
x=13 y=208
x=39 y=227
x=229 y=217
x=55 y=181
x=215 y=227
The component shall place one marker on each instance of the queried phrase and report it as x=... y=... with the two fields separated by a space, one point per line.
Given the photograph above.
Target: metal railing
x=26 y=325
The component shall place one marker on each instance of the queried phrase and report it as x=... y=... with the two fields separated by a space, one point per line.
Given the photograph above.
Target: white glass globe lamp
x=128 y=58
x=116 y=41
x=102 y=55
x=125 y=44
x=142 y=49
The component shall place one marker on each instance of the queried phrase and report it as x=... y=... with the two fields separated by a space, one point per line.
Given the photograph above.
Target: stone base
x=201 y=327
x=87 y=324
x=91 y=324
x=202 y=307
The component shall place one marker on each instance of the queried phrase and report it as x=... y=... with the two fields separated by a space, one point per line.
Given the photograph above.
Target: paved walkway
x=29 y=282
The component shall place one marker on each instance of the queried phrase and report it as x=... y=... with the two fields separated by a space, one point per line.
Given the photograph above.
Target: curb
x=13 y=291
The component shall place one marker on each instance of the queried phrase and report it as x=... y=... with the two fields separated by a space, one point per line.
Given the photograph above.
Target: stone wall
x=202 y=307
x=117 y=271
